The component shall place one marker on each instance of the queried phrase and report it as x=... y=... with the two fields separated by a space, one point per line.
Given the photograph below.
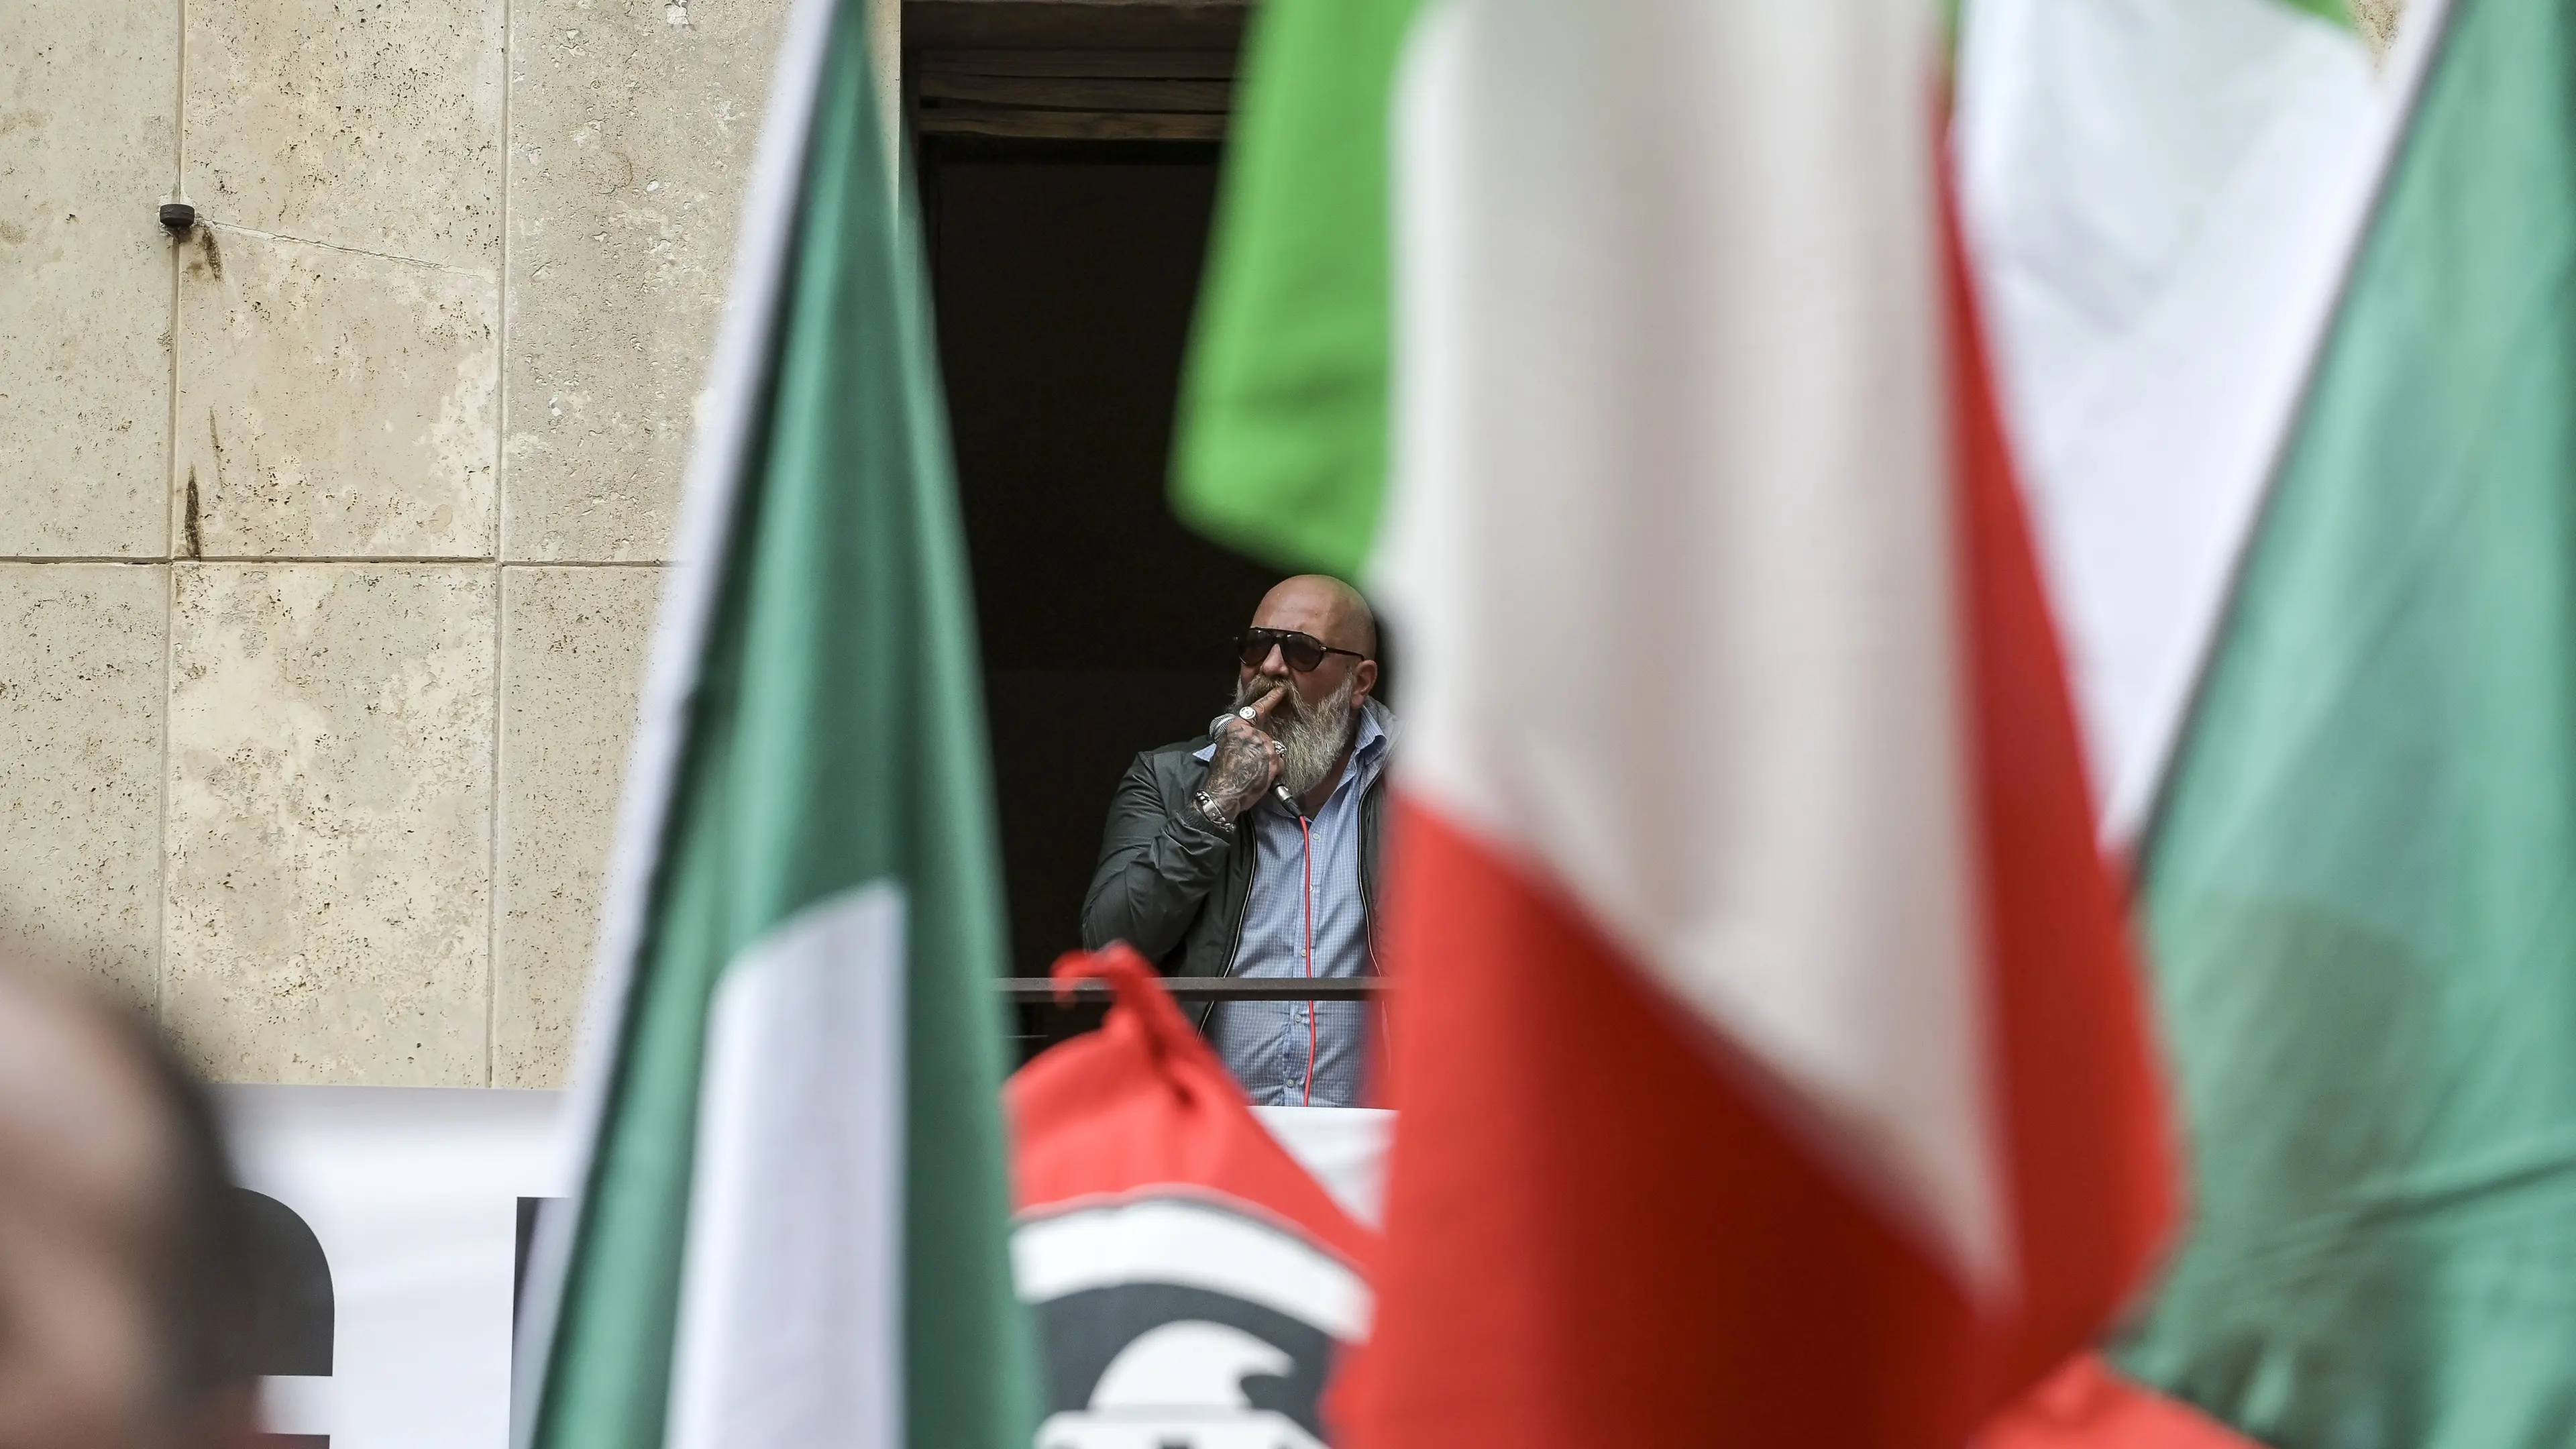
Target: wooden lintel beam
x=1036 y=125
x=1082 y=24
x=1068 y=93
x=1091 y=64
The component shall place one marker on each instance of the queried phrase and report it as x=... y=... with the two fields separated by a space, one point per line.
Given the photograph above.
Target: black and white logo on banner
x=1176 y=1323
x=388 y=1220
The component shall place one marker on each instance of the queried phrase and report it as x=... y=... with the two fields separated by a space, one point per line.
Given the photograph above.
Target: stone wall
x=330 y=534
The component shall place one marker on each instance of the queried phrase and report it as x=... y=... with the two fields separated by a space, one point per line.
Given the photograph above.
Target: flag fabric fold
x=791 y=1218
x=2162 y=202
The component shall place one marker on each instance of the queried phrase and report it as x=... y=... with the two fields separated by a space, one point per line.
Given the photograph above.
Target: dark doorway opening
x=1065 y=274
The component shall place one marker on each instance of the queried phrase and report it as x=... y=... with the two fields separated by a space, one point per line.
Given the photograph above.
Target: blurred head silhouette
x=124 y=1276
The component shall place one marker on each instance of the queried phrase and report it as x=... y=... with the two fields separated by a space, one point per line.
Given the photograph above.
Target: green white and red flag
x=1770 y=1061
x=792 y=1201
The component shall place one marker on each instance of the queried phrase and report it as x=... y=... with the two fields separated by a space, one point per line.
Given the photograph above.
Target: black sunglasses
x=1302 y=651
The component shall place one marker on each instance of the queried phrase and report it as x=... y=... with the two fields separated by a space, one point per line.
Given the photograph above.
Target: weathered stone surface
x=325 y=914
x=2378 y=20
x=333 y=404
x=572 y=658
x=373 y=124
x=80 y=767
x=632 y=128
x=87 y=149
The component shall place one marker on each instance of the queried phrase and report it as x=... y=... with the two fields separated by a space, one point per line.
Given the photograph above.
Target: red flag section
x=1191 y=1282
x=1597 y=1231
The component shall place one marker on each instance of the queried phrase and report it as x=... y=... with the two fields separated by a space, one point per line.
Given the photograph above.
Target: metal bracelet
x=1208 y=808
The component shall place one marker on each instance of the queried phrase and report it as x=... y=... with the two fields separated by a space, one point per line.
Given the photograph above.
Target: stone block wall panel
x=573 y=643
x=334 y=526
x=632 y=129
x=332 y=403
x=369 y=124
x=330 y=800
x=80 y=768
x=88 y=136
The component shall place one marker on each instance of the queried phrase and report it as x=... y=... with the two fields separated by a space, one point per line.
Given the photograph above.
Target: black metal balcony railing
x=1041 y=991
x=1041 y=1020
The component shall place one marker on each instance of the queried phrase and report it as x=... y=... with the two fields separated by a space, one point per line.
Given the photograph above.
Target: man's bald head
x=1323 y=606
x=1314 y=712
x=124 y=1285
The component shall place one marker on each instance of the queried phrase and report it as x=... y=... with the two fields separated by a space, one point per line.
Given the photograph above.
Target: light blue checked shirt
x=1265 y=1042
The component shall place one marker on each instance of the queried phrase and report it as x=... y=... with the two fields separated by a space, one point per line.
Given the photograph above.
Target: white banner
x=400 y=1216
x=400 y=1301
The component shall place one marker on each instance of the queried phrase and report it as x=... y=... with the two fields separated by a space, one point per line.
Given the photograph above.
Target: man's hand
x=1246 y=760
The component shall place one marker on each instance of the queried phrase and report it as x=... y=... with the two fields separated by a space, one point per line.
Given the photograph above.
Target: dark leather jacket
x=1174 y=886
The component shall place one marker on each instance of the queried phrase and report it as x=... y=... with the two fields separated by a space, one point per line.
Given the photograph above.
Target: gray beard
x=1314 y=738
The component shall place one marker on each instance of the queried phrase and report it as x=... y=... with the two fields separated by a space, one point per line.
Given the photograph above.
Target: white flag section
x=1720 y=527
x=2162 y=198
x=791 y=1300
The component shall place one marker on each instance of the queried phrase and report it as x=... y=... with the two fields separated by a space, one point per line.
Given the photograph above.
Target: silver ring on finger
x=1278 y=748
x=1245 y=714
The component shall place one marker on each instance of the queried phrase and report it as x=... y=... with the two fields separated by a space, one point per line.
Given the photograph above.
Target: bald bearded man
x=125 y=1288
x=1205 y=870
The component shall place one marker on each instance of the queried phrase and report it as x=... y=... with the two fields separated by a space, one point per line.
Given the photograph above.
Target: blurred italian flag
x=1927 y=561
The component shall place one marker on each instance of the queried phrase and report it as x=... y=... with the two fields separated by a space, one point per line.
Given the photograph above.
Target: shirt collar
x=1377 y=731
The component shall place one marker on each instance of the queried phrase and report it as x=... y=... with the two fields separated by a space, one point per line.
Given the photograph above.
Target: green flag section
x=1282 y=434
x=2361 y=890
x=792 y=1227
x=2336 y=11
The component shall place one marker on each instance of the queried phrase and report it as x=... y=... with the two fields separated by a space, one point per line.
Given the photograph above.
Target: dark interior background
x=1064 y=275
